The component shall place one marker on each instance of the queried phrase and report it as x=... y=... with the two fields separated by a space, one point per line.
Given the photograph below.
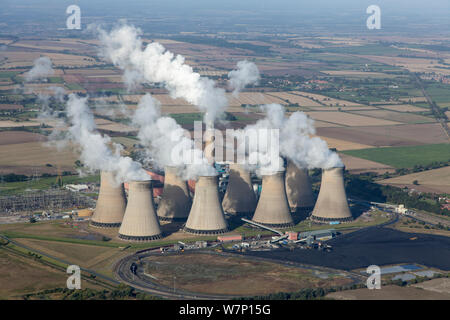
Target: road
x=145 y=283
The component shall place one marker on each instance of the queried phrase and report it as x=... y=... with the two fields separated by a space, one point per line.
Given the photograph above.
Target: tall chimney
x=239 y=197
x=175 y=200
x=273 y=207
x=140 y=222
x=206 y=216
x=332 y=203
x=111 y=203
x=298 y=188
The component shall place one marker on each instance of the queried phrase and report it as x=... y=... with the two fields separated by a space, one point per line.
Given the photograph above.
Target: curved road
x=145 y=283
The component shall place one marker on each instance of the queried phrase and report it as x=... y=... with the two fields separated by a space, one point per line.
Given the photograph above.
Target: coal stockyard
x=379 y=246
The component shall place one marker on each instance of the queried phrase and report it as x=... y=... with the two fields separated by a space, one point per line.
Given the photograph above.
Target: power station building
x=298 y=188
x=206 y=215
x=273 y=207
x=239 y=197
x=111 y=203
x=140 y=222
x=175 y=200
x=332 y=203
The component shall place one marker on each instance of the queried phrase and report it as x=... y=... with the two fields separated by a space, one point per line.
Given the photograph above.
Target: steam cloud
x=123 y=46
x=247 y=73
x=295 y=142
x=94 y=148
x=169 y=144
x=42 y=68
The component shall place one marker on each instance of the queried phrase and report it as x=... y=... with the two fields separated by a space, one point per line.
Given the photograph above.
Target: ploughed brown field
x=13 y=137
x=381 y=136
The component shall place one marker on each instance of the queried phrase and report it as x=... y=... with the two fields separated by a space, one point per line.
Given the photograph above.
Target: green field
x=55 y=80
x=404 y=157
x=439 y=92
x=186 y=118
x=74 y=86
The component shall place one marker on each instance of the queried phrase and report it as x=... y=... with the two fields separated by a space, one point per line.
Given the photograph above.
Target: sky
x=396 y=14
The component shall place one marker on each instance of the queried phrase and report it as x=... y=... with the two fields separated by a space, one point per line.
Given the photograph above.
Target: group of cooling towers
x=281 y=193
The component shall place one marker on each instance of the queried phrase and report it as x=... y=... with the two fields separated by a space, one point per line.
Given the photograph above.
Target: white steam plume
x=123 y=46
x=168 y=142
x=42 y=68
x=94 y=148
x=247 y=73
x=295 y=142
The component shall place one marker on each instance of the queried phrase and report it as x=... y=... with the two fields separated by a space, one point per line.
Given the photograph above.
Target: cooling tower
x=298 y=188
x=239 y=197
x=140 y=222
x=273 y=207
x=206 y=216
x=111 y=203
x=332 y=203
x=175 y=200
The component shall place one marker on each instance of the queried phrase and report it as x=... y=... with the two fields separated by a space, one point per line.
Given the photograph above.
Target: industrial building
x=206 y=215
x=332 y=203
x=239 y=197
x=298 y=188
x=111 y=203
x=140 y=222
x=273 y=207
x=175 y=200
x=318 y=234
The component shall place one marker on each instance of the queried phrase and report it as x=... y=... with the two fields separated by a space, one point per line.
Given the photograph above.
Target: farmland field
x=20 y=157
x=396 y=116
x=436 y=178
x=358 y=165
x=403 y=108
x=405 y=157
x=348 y=119
x=382 y=136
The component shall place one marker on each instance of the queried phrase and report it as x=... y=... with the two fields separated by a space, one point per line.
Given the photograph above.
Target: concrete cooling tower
x=206 y=216
x=111 y=203
x=273 y=207
x=175 y=200
x=239 y=197
x=298 y=188
x=140 y=222
x=332 y=203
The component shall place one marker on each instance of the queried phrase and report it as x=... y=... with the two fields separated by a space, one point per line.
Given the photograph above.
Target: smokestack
x=206 y=216
x=111 y=203
x=298 y=188
x=332 y=203
x=175 y=200
x=273 y=207
x=140 y=222
x=239 y=197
